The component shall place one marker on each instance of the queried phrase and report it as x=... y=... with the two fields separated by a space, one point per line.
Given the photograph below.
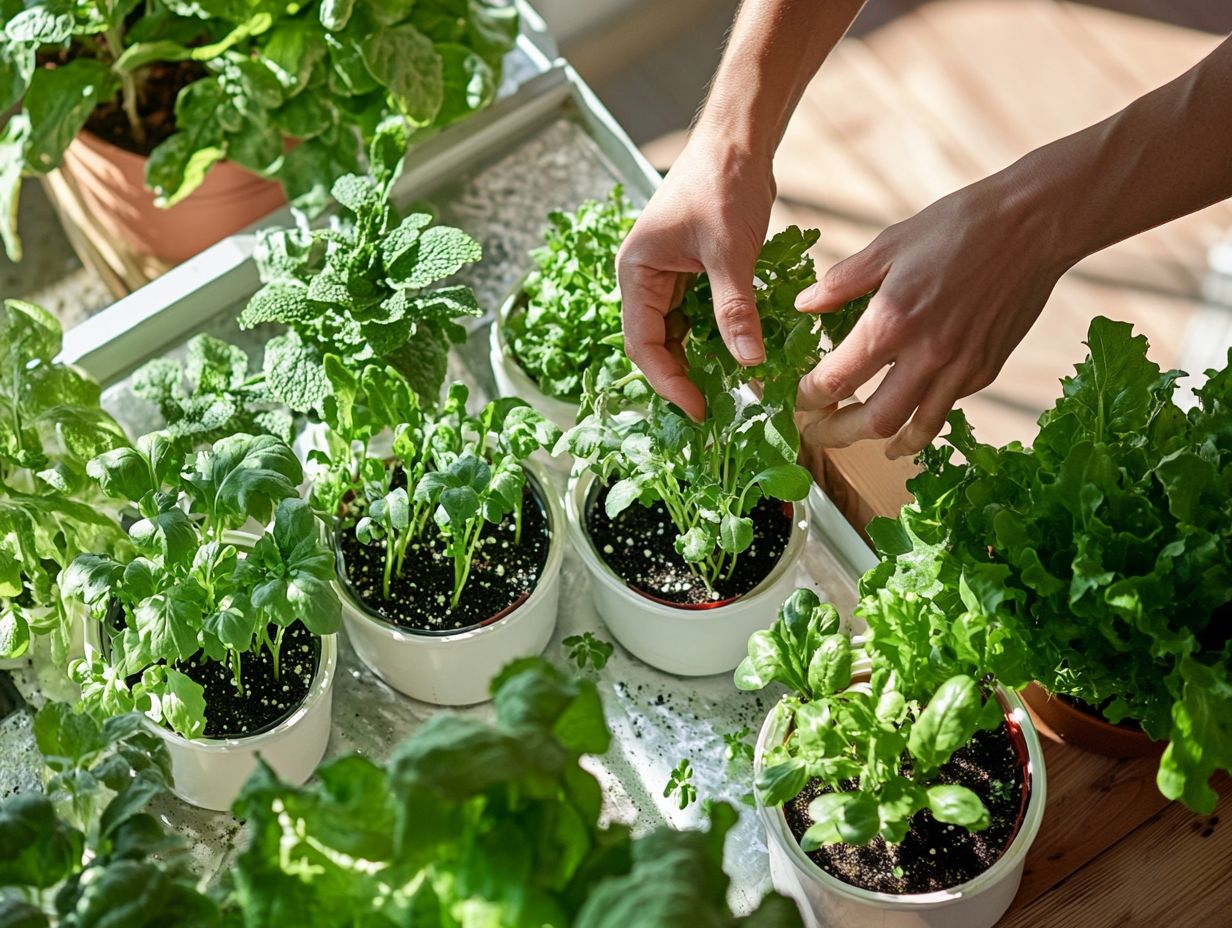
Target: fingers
x=929 y=418
x=731 y=285
x=850 y=278
x=646 y=296
x=849 y=366
x=882 y=415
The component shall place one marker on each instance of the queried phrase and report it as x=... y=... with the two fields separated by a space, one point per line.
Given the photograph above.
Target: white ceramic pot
x=511 y=380
x=828 y=902
x=210 y=772
x=455 y=668
x=688 y=642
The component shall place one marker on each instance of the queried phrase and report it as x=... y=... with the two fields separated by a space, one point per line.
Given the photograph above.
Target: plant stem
x=390 y=543
x=276 y=650
x=236 y=669
x=128 y=86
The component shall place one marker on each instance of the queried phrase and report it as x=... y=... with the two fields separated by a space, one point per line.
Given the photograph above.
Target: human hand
x=958 y=287
x=711 y=215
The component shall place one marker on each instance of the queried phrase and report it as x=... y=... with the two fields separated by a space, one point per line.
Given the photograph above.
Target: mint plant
x=587 y=650
x=571 y=300
x=187 y=590
x=50 y=426
x=876 y=746
x=1100 y=556
x=680 y=785
x=212 y=394
x=362 y=289
x=451 y=474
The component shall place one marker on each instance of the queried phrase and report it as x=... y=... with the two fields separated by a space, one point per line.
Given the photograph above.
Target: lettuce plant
x=362 y=289
x=875 y=746
x=1103 y=553
x=50 y=426
x=451 y=473
x=710 y=474
x=187 y=590
x=571 y=299
x=291 y=92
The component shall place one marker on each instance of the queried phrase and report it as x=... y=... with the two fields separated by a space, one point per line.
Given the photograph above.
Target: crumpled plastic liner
x=657 y=719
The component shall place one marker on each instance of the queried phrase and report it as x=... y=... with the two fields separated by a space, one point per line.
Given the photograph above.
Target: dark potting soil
x=933 y=856
x=1097 y=712
x=640 y=546
x=503 y=573
x=266 y=700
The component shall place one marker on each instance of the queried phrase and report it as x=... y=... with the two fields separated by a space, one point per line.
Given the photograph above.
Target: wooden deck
x=925 y=97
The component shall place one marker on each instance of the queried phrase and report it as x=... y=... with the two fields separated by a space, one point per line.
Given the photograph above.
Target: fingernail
x=748 y=351
x=806 y=296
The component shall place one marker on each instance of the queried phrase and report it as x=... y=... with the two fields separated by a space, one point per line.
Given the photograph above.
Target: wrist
x=1040 y=202
x=735 y=132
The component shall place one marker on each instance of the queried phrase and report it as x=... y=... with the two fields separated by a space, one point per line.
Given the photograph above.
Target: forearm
x=775 y=48
x=1167 y=154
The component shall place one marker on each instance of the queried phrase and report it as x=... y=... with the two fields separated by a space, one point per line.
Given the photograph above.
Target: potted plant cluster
x=898 y=785
x=50 y=426
x=564 y=318
x=219 y=108
x=1109 y=538
x=223 y=638
x=449 y=548
x=692 y=530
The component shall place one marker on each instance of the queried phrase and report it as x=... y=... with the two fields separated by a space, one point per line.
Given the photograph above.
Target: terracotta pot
x=111 y=184
x=1061 y=721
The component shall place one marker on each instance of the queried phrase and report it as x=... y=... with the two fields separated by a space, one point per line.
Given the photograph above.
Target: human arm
x=712 y=212
x=961 y=283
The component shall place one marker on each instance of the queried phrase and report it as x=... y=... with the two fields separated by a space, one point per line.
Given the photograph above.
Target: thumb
x=850 y=278
x=735 y=310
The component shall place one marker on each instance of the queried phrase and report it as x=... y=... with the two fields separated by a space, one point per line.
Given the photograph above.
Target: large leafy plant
x=85 y=853
x=426 y=838
x=363 y=289
x=710 y=474
x=875 y=745
x=50 y=426
x=292 y=92
x=188 y=590
x=451 y=474
x=1105 y=550
x=571 y=306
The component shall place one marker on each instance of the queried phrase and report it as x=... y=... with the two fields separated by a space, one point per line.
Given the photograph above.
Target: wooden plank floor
x=922 y=98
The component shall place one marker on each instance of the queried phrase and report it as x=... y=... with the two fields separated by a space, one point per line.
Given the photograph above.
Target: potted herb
x=561 y=320
x=897 y=787
x=1112 y=540
x=365 y=289
x=51 y=425
x=225 y=639
x=691 y=530
x=449 y=549
x=219 y=108
x=498 y=819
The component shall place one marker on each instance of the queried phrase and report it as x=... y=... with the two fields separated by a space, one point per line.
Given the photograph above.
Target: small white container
x=828 y=902
x=688 y=642
x=511 y=380
x=455 y=668
x=210 y=772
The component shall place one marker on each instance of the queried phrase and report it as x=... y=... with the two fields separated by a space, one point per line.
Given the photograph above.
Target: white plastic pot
x=210 y=772
x=828 y=902
x=511 y=380
x=455 y=668
x=688 y=642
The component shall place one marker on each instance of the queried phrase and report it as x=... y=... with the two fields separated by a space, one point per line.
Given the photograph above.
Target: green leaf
x=829 y=668
x=947 y=723
x=735 y=533
x=404 y=60
x=37 y=849
x=58 y=103
x=294 y=373
x=841 y=818
x=181 y=703
x=785 y=481
x=957 y=805
x=47 y=23
x=242 y=478
x=14 y=139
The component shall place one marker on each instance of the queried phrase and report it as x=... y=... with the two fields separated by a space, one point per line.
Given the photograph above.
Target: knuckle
x=884 y=424
x=833 y=384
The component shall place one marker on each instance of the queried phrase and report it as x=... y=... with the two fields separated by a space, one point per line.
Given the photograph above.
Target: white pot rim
x=322 y=683
x=551 y=568
x=775 y=823
x=579 y=489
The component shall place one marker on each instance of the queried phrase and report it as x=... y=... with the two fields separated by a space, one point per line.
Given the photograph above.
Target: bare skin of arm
x=959 y=284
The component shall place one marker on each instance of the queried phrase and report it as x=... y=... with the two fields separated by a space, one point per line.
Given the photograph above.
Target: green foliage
x=362 y=289
x=1098 y=561
x=50 y=425
x=212 y=395
x=86 y=853
x=325 y=74
x=451 y=473
x=586 y=650
x=427 y=838
x=186 y=589
x=571 y=301
x=680 y=785
x=710 y=474
x=875 y=745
